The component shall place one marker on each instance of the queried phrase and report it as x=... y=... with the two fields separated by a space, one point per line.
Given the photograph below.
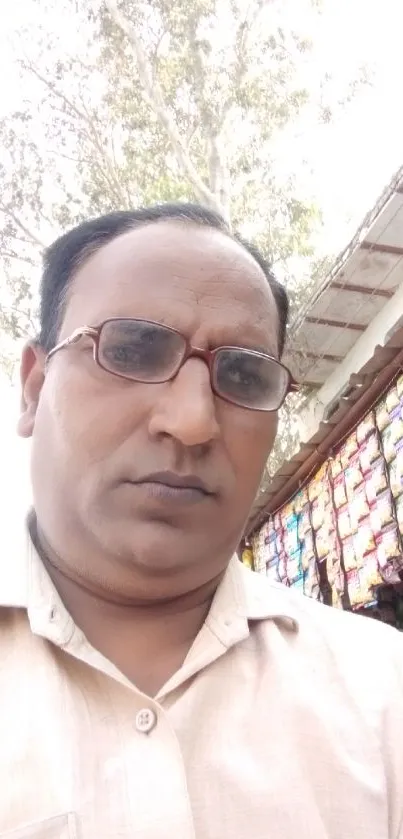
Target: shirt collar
x=251 y=597
x=242 y=595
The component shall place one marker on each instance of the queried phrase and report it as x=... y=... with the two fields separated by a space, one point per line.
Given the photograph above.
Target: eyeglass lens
x=140 y=350
x=149 y=352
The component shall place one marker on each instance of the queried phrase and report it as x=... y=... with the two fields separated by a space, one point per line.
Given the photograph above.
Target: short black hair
x=63 y=257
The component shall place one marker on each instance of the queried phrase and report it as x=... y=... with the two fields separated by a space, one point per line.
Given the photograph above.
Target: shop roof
x=364 y=277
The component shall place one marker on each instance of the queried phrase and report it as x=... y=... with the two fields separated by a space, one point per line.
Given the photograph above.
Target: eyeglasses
x=148 y=352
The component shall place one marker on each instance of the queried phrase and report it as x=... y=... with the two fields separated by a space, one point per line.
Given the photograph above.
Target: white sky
x=348 y=162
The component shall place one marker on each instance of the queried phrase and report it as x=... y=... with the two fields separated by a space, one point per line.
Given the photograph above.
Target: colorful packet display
x=318 y=511
x=399 y=513
x=318 y=484
x=294 y=568
x=382 y=416
x=354 y=588
x=392 y=435
x=369 y=452
x=396 y=473
x=301 y=500
x=348 y=449
x=358 y=508
x=272 y=552
x=311 y=586
x=323 y=539
x=349 y=554
x=308 y=556
x=259 y=550
x=360 y=589
x=290 y=532
x=369 y=573
x=381 y=512
x=377 y=480
x=392 y=400
x=364 y=541
x=335 y=466
x=331 y=561
x=339 y=491
x=344 y=529
x=366 y=427
x=336 y=581
x=304 y=523
x=344 y=522
x=261 y=546
x=388 y=547
x=353 y=476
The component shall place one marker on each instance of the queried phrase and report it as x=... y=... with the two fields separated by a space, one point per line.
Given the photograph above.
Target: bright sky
x=347 y=164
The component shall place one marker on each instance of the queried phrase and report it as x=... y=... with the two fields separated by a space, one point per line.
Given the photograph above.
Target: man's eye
x=244 y=377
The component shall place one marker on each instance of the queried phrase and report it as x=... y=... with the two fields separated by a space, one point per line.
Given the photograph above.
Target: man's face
x=96 y=436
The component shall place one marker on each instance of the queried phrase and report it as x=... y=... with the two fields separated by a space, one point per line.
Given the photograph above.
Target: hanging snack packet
x=369 y=452
x=396 y=473
x=366 y=428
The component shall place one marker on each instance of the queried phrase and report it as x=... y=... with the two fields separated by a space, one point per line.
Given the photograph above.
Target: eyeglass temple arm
x=72 y=339
x=293 y=387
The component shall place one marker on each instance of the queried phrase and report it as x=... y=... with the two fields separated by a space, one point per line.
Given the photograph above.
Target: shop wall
x=339 y=539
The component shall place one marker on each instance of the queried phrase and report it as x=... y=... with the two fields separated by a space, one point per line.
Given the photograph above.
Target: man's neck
x=147 y=640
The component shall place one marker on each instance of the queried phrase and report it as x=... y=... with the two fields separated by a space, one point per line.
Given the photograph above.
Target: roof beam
x=339 y=324
x=316 y=357
x=362 y=289
x=377 y=247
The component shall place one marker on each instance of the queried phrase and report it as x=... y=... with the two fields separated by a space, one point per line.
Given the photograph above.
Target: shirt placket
x=155 y=778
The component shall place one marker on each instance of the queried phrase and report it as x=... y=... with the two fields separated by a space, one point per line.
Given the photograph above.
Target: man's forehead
x=148 y=271
x=172 y=243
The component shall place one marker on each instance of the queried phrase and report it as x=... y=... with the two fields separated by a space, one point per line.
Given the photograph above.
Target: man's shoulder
x=340 y=657
x=317 y=623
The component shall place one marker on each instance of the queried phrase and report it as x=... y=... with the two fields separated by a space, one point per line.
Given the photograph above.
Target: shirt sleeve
x=393 y=742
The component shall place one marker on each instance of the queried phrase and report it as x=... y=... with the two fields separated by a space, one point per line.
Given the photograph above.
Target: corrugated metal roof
x=363 y=278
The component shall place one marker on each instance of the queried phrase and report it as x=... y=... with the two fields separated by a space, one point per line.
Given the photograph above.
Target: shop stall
x=331 y=521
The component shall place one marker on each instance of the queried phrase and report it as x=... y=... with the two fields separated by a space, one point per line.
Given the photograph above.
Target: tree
x=173 y=100
x=163 y=107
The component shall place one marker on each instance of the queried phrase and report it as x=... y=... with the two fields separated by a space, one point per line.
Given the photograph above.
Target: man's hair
x=66 y=254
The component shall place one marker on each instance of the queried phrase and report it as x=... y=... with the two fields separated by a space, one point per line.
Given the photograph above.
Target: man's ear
x=32 y=375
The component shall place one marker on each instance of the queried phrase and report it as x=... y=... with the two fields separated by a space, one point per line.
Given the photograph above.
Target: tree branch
x=113 y=179
x=89 y=128
x=31 y=236
x=8 y=311
x=153 y=95
x=13 y=255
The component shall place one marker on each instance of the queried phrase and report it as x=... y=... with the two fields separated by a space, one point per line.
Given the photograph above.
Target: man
x=151 y=686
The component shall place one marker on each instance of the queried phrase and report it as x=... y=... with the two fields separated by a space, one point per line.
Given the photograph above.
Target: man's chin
x=155 y=544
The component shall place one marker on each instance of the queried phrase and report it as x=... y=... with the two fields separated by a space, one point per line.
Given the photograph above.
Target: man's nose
x=186 y=409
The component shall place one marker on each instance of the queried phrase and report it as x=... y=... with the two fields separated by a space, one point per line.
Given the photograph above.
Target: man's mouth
x=173 y=488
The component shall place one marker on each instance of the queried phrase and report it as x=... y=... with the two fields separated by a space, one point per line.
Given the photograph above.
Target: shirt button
x=146 y=720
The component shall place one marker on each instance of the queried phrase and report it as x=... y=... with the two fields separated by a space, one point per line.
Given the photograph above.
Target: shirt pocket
x=58 y=827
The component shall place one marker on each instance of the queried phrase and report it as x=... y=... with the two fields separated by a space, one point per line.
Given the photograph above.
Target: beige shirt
x=285 y=722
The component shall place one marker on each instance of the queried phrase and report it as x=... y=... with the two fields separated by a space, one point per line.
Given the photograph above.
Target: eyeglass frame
x=208 y=356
